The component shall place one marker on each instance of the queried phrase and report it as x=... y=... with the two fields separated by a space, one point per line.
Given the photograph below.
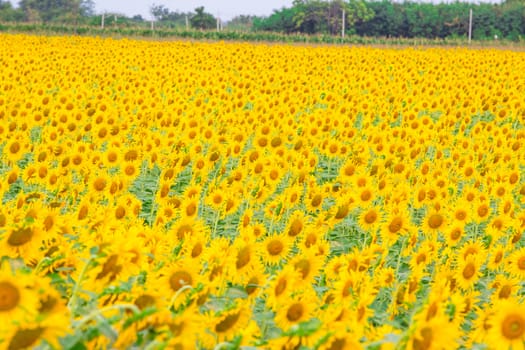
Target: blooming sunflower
x=18 y=301
x=507 y=329
x=274 y=248
x=516 y=263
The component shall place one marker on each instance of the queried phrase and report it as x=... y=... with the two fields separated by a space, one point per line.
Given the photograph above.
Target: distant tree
x=56 y=10
x=167 y=17
x=8 y=13
x=202 y=20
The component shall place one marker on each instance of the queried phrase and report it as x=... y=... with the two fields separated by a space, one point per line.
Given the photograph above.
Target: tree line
x=375 y=18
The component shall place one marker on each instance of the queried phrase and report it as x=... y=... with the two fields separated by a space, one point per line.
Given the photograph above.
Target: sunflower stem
x=221 y=345
x=40 y=263
x=179 y=292
x=98 y=313
x=72 y=303
x=216 y=223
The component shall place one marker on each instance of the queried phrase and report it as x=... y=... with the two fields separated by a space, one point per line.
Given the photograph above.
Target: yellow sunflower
x=507 y=329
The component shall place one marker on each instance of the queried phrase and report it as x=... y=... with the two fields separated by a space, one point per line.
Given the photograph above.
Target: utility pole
x=343 y=27
x=102 y=21
x=187 y=23
x=470 y=27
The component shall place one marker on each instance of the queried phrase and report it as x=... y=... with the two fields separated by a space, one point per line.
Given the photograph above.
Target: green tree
x=8 y=13
x=202 y=20
x=56 y=10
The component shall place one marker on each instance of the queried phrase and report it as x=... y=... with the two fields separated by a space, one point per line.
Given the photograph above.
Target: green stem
x=72 y=303
x=98 y=313
x=179 y=292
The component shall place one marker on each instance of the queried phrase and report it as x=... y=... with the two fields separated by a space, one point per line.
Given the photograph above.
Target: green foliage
x=202 y=20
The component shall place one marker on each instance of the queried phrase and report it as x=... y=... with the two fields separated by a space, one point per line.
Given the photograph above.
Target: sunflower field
x=182 y=195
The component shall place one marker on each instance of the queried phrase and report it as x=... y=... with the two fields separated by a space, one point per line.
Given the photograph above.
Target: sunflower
x=468 y=272
x=284 y=282
x=178 y=279
x=18 y=299
x=396 y=225
x=507 y=325
x=189 y=207
x=434 y=222
x=454 y=233
x=481 y=211
x=296 y=224
x=188 y=226
x=496 y=258
x=274 y=248
x=505 y=287
x=22 y=241
x=435 y=333
x=461 y=213
x=516 y=263
x=295 y=309
x=226 y=325
x=308 y=264
x=254 y=281
x=370 y=219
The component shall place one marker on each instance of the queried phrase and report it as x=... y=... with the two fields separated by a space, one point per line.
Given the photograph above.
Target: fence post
x=470 y=26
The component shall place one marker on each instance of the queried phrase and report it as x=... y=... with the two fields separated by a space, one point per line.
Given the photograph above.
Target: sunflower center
x=25 y=338
x=455 y=234
x=9 y=296
x=461 y=215
x=99 y=184
x=347 y=287
x=425 y=342
x=435 y=221
x=180 y=279
x=228 y=322
x=342 y=212
x=366 y=195
x=370 y=217
x=243 y=257
x=181 y=232
x=295 y=228
x=197 y=250
x=469 y=271
x=303 y=266
x=275 y=247
x=513 y=326
x=144 y=301
x=280 y=287
x=20 y=237
x=521 y=263
x=120 y=212
x=295 y=312
x=338 y=344
x=504 y=292
x=316 y=201
x=191 y=209
x=14 y=148
x=395 y=225
x=483 y=211
x=252 y=285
